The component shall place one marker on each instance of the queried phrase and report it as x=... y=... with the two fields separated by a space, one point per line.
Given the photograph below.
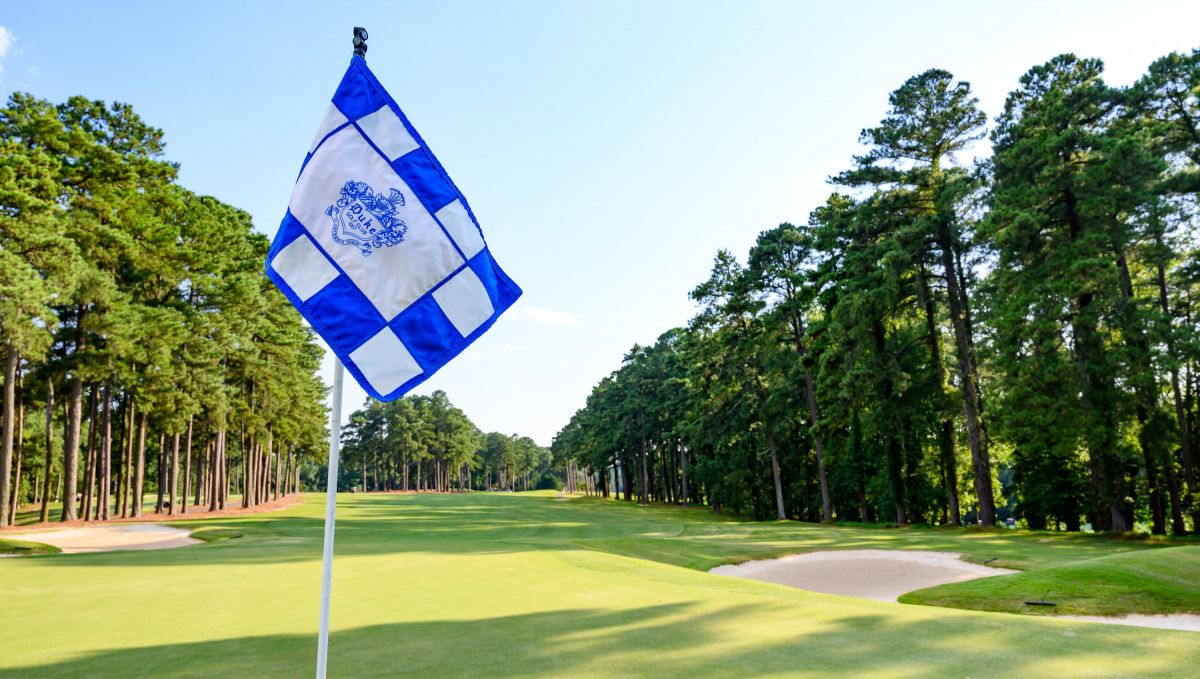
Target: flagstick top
x=360 y=42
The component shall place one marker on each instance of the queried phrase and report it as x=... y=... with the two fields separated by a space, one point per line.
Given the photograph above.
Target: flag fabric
x=379 y=250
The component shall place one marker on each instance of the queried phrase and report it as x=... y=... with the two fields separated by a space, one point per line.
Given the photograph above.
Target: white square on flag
x=379 y=250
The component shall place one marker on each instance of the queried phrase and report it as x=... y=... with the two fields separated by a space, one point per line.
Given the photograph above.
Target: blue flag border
x=507 y=291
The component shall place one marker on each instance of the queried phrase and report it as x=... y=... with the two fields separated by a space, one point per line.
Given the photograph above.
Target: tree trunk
x=645 y=479
x=1107 y=510
x=6 y=452
x=981 y=463
x=214 y=472
x=263 y=475
x=894 y=453
x=19 y=454
x=187 y=471
x=71 y=446
x=162 y=473
x=174 y=481
x=89 y=470
x=626 y=484
x=130 y=436
x=810 y=397
x=139 y=483
x=106 y=452
x=223 y=476
x=203 y=462
x=780 y=514
x=1181 y=419
x=278 y=463
x=682 y=473
x=249 y=471
x=45 y=514
x=946 y=441
x=119 y=472
x=289 y=467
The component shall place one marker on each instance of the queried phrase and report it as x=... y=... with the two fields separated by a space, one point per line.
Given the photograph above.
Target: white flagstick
x=335 y=445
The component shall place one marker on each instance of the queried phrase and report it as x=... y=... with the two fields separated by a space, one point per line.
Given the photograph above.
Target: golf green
x=507 y=585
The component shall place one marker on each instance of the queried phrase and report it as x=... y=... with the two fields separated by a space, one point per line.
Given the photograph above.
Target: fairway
x=535 y=585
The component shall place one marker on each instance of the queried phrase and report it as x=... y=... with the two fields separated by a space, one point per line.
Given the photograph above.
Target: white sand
x=111 y=537
x=1181 y=621
x=878 y=574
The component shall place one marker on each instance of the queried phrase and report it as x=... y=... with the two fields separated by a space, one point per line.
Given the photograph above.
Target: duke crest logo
x=365 y=219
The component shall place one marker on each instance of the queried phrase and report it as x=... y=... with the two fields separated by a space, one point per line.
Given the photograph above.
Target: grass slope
x=506 y=585
x=1149 y=581
x=22 y=547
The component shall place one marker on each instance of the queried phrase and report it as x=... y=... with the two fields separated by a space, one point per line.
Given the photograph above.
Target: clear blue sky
x=608 y=149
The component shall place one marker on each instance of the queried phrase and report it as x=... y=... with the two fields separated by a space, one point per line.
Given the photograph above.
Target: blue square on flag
x=379 y=250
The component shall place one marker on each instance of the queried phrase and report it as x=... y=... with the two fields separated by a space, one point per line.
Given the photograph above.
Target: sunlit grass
x=516 y=585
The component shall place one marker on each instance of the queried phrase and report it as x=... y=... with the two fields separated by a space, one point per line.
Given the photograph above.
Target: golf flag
x=379 y=250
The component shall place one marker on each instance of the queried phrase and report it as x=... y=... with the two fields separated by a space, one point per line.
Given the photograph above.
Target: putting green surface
x=508 y=585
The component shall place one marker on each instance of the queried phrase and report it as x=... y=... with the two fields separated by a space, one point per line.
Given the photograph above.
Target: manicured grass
x=1148 y=581
x=21 y=547
x=507 y=585
x=700 y=540
x=214 y=533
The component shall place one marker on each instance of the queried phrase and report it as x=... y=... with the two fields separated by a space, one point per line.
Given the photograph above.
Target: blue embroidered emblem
x=366 y=220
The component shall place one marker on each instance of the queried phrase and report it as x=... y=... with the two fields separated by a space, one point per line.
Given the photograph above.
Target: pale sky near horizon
x=608 y=149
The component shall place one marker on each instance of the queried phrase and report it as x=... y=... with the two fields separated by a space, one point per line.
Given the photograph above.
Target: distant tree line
x=944 y=343
x=425 y=443
x=144 y=351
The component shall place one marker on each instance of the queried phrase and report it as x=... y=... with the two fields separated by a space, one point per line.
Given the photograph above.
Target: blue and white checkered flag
x=379 y=250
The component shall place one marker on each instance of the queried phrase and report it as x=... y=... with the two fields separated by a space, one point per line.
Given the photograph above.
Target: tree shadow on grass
x=668 y=640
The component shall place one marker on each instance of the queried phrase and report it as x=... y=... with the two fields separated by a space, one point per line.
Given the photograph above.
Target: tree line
x=426 y=443
x=144 y=350
x=947 y=341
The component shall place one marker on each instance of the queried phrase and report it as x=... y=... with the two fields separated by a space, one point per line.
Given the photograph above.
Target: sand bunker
x=111 y=538
x=878 y=574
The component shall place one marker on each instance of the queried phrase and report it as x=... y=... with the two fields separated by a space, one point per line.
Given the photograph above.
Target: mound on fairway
x=882 y=575
x=1153 y=581
x=113 y=537
x=522 y=585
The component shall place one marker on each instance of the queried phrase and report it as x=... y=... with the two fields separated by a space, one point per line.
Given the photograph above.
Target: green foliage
x=842 y=371
x=115 y=280
x=425 y=442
